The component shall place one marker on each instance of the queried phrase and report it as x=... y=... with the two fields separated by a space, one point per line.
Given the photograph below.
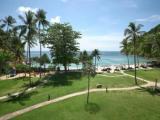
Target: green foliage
x=5 y=58
x=21 y=68
x=84 y=57
x=63 y=44
x=96 y=54
x=44 y=59
x=147 y=44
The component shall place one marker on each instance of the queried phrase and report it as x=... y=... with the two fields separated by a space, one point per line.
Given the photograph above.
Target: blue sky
x=101 y=22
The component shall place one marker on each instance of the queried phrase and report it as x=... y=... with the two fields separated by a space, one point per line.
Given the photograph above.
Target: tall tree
x=89 y=70
x=29 y=29
x=42 y=22
x=84 y=57
x=8 y=23
x=62 y=43
x=125 y=49
x=96 y=55
x=132 y=33
x=44 y=60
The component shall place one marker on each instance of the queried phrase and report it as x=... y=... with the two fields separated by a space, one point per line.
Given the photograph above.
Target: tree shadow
x=61 y=78
x=21 y=78
x=21 y=98
x=92 y=108
x=150 y=90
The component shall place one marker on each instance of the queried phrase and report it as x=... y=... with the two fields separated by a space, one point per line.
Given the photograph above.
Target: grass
x=128 y=105
x=59 y=85
x=13 y=85
x=147 y=74
x=113 y=74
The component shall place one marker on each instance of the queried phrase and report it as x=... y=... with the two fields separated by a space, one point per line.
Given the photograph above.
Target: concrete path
x=6 y=77
x=17 y=93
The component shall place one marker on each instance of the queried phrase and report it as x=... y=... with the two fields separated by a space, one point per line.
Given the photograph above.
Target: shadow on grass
x=150 y=90
x=92 y=108
x=61 y=79
x=21 y=98
x=21 y=78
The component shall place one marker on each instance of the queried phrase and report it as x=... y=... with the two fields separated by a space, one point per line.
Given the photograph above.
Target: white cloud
x=149 y=19
x=110 y=42
x=23 y=9
x=56 y=19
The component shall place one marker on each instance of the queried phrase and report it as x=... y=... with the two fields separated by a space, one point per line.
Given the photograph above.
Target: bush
x=21 y=68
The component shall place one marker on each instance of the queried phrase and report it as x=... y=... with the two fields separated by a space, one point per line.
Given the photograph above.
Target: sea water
x=107 y=58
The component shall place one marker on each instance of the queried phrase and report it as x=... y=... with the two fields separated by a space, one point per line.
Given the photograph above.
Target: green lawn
x=128 y=105
x=59 y=85
x=148 y=74
x=112 y=74
x=13 y=85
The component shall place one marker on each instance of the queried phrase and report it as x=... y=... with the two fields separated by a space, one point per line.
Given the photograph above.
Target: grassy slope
x=131 y=105
x=148 y=75
x=58 y=86
x=113 y=74
x=14 y=85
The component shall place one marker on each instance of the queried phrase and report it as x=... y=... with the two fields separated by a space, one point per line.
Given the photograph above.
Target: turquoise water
x=107 y=58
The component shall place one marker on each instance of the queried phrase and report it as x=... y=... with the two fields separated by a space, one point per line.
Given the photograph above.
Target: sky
x=101 y=22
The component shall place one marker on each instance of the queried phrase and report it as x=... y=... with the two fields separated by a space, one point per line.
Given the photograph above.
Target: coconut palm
x=96 y=55
x=125 y=49
x=29 y=29
x=8 y=22
x=89 y=70
x=84 y=57
x=132 y=33
x=42 y=22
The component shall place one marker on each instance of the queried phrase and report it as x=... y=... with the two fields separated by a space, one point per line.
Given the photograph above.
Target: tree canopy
x=62 y=43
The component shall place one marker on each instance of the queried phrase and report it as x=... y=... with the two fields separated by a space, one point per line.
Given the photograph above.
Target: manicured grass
x=113 y=74
x=59 y=85
x=13 y=85
x=147 y=74
x=128 y=105
x=120 y=81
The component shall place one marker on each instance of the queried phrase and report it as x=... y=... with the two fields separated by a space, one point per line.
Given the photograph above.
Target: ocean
x=107 y=58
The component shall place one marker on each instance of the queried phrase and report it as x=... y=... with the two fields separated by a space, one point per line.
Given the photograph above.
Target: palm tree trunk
x=29 y=63
x=65 y=67
x=40 y=50
x=44 y=69
x=27 y=54
x=95 y=62
x=138 y=60
x=135 y=71
x=128 y=61
x=88 y=89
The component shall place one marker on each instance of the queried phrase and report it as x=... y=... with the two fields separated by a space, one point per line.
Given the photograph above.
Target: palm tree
x=8 y=22
x=132 y=33
x=29 y=29
x=84 y=57
x=96 y=55
x=125 y=49
x=41 y=19
x=89 y=70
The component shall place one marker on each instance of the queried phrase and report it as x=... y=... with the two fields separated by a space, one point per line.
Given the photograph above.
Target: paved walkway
x=6 y=77
x=17 y=93
x=19 y=112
